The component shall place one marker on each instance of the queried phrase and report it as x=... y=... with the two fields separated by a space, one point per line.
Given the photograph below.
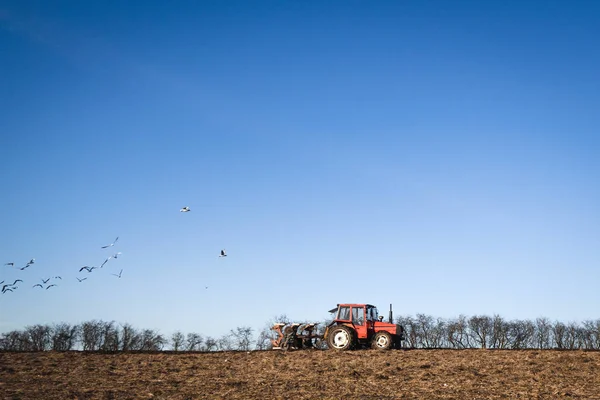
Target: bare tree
x=130 y=339
x=423 y=326
x=15 y=341
x=543 y=328
x=263 y=341
x=177 y=341
x=111 y=339
x=411 y=330
x=573 y=337
x=591 y=334
x=457 y=332
x=39 y=336
x=151 y=340
x=210 y=344
x=520 y=334
x=499 y=337
x=91 y=335
x=242 y=338
x=559 y=334
x=439 y=333
x=224 y=343
x=481 y=329
x=64 y=336
x=193 y=342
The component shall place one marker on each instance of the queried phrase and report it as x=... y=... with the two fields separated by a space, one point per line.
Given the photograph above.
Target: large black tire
x=382 y=341
x=340 y=337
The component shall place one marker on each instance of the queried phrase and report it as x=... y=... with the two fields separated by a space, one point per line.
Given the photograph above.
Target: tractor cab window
x=372 y=314
x=358 y=316
x=344 y=313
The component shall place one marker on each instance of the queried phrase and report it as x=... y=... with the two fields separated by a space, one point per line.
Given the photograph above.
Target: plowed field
x=364 y=374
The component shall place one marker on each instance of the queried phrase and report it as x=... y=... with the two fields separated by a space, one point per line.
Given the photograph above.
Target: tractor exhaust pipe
x=391 y=315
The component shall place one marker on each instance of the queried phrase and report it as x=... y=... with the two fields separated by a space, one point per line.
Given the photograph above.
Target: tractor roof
x=351 y=305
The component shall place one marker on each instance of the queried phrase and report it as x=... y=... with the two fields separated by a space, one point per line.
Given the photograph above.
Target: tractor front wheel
x=340 y=338
x=382 y=341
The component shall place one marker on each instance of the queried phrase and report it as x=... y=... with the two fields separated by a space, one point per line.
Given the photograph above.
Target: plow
x=354 y=326
x=296 y=336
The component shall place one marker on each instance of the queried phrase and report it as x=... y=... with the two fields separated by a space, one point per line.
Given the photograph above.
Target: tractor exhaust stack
x=391 y=315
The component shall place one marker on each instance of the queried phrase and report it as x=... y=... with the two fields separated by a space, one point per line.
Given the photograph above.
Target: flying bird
x=15 y=282
x=223 y=253
x=44 y=281
x=88 y=269
x=118 y=276
x=38 y=284
x=81 y=280
x=10 y=264
x=7 y=290
x=49 y=286
x=105 y=261
x=58 y=277
x=32 y=261
x=112 y=244
x=185 y=209
x=116 y=255
x=8 y=286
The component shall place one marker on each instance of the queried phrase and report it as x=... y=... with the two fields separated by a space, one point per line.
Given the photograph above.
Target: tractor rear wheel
x=340 y=338
x=382 y=341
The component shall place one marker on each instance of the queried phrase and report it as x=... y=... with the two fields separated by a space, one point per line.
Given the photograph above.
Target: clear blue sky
x=441 y=156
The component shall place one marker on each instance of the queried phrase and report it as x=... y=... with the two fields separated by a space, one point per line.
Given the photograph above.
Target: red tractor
x=353 y=326
x=359 y=325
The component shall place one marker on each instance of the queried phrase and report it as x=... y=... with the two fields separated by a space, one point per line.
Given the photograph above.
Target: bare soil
x=364 y=374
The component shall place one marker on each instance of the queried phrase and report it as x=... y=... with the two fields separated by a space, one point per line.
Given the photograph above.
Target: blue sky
x=440 y=156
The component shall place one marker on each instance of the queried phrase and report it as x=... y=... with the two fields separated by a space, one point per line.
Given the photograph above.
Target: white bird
x=118 y=276
x=185 y=209
x=39 y=285
x=10 y=264
x=81 y=280
x=112 y=244
x=223 y=253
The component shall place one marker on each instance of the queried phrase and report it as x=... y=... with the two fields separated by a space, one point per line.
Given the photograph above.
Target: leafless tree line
x=482 y=331
x=112 y=337
x=88 y=336
x=421 y=331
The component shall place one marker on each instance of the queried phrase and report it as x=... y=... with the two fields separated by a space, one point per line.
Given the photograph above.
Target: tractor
x=353 y=326
x=359 y=326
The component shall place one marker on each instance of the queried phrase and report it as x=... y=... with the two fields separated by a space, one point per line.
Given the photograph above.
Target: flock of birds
x=51 y=282
x=47 y=283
